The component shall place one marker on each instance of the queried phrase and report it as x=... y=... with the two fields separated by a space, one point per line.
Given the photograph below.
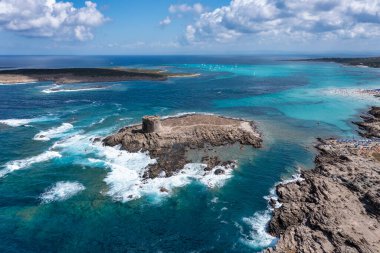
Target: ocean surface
x=60 y=192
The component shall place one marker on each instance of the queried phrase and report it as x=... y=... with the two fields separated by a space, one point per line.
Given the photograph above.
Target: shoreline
x=311 y=215
x=86 y=75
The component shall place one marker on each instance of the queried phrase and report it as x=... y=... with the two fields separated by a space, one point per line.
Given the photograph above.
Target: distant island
x=84 y=75
x=373 y=62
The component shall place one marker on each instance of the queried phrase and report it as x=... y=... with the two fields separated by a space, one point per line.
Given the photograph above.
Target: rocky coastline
x=169 y=140
x=336 y=206
x=84 y=75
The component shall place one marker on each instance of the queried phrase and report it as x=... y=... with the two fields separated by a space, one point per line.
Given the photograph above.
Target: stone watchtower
x=151 y=124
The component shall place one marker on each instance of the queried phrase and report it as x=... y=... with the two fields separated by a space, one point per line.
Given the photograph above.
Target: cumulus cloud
x=181 y=10
x=166 y=21
x=185 y=8
x=306 y=18
x=49 y=18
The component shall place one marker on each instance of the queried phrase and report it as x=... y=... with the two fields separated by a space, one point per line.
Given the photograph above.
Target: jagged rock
x=96 y=139
x=219 y=172
x=375 y=111
x=211 y=162
x=371 y=125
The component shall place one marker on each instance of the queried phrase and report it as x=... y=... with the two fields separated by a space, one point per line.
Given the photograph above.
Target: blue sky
x=188 y=27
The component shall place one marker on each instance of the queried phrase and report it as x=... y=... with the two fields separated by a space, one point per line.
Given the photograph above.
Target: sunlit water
x=60 y=192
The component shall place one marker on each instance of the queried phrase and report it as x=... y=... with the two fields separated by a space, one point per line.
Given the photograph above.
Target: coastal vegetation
x=373 y=62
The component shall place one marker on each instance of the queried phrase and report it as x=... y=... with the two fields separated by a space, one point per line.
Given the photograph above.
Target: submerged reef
x=336 y=206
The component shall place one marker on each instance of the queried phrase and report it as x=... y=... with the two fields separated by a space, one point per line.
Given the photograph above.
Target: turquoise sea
x=59 y=192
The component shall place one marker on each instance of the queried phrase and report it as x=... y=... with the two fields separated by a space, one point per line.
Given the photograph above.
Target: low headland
x=372 y=62
x=85 y=75
x=336 y=206
x=169 y=140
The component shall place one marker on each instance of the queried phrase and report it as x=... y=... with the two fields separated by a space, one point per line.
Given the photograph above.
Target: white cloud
x=49 y=18
x=185 y=8
x=83 y=33
x=166 y=21
x=293 y=18
x=179 y=11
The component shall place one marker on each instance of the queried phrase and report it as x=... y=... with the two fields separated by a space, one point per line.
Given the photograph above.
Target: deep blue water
x=45 y=140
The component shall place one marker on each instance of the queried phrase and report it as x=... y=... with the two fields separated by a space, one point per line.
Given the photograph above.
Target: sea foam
x=25 y=163
x=61 y=191
x=258 y=237
x=125 y=178
x=57 y=90
x=53 y=132
x=21 y=122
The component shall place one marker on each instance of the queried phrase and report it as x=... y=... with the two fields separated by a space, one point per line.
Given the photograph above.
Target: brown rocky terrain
x=169 y=139
x=336 y=207
x=84 y=75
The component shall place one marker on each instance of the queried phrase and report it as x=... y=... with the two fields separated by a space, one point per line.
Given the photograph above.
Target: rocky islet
x=171 y=138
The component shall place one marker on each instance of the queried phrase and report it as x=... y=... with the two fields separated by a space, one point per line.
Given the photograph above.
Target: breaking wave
x=126 y=179
x=56 y=90
x=25 y=163
x=61 y=191
x=258 y=237
x=53 y=132
x=127 y=183
x=21 y=122
x=180 y=114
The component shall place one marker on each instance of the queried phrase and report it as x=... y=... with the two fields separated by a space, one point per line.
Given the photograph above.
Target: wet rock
x=211 y=162
x=272 y=202
x=229 y=164
x=96 y=139
x=219 y=172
